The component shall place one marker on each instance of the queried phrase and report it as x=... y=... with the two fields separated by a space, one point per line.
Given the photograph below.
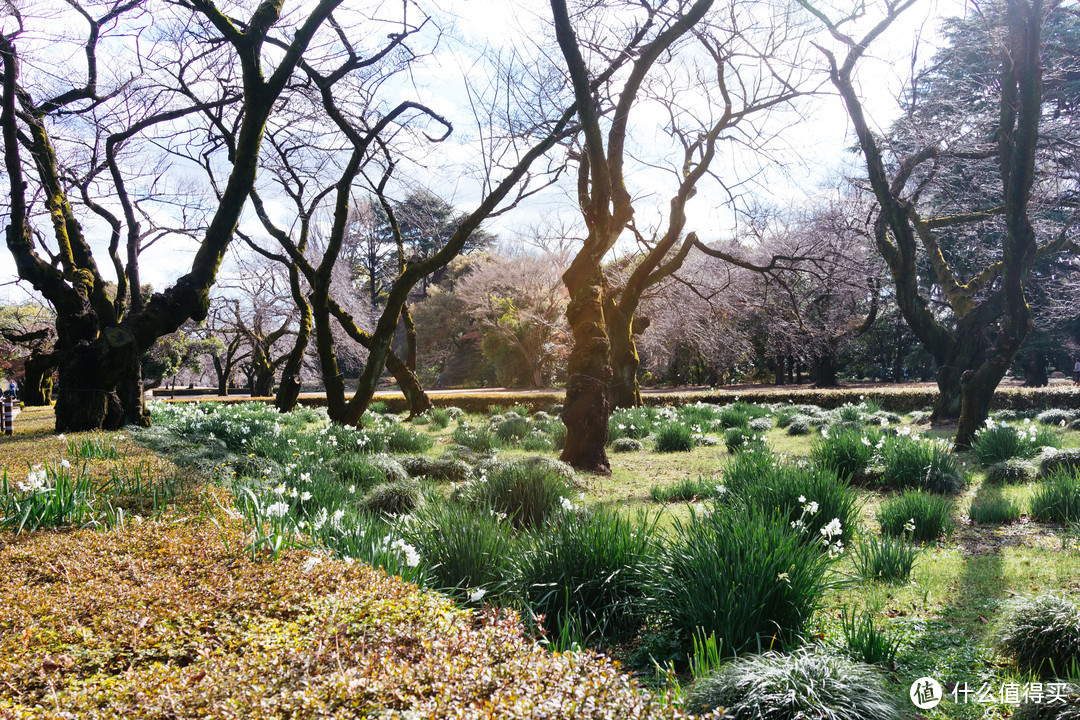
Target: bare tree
x=987 y=316
x=99 y=346
x=711 y=72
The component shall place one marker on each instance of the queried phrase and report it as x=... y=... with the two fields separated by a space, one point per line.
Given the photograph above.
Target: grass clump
x=866 y=641
x=686 y=490
x=738 y=439
x=1001 y=442
x=633 y=423
x=848 y=451
x=393 y=498
x=1055 y=416
x=626 y=445
x=742 y=574
x=477 y=438
x=1057 y=498
x=1008 y=472
x=467 y=551
x=445 y=468
x=588 y=574
x=513 y=429
x=732 y=417
x=1053 y=461
x=1043 y=635
x=402 y=439
x=526 y=493
x=888 y=559
x=988 y=509
x=798 y=425
x=810 y=497
x=910 y=462
x=805 y=684
x=916 y=514
x=438 y=418
x=674 y=437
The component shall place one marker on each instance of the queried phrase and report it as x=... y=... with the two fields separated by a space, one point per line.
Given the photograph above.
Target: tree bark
x=38 y=379
x=586 y=410
x=418 y=401
x=289 y=389
x=624 y=391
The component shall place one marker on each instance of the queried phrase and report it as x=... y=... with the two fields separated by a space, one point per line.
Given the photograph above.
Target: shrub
x=847 y=451
x=799 y=425
x=1009 y=472
x=916 y=514
x=808 y=683
x=438 y=418
x=377 y=408
x=1043 y=635
x=993 y=510
x=1057 y=499
x=626 y=445
x=674 y=437
x=588 y=574
x=526 y=493
x=467 y=552
x=476 y=438
x=916 y=463
x=889 y=559
x=866 y=642
x=742 y=574
x=401 y=439
x=393 y=498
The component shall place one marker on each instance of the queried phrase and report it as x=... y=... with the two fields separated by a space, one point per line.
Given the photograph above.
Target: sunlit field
x=222 y=562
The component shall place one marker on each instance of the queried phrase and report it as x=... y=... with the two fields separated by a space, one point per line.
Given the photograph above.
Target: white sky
x=813 y=157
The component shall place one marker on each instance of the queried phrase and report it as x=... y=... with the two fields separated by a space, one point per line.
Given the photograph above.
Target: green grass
x=947 y=612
